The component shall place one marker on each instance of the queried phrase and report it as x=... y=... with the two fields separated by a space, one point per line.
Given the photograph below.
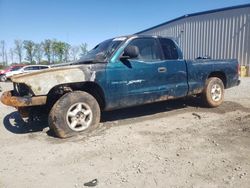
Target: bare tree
x=74 y=52
x=84 y=50
x=3 y=51
x=11 y=54
x=19 y=49
x=6 y=58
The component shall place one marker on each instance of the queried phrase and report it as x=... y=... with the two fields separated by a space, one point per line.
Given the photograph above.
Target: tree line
x=45 y=52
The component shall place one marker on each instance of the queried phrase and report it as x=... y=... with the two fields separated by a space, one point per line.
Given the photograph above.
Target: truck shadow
x=15 y=124
x=168 y=108
x=144 y=110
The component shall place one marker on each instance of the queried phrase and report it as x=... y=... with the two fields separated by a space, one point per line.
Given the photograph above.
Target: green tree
x=60 y=51
x=66 y=51
x=29 y=46
x=57 y=49
x=38 y=52
x=47 y=48
x=19 y=49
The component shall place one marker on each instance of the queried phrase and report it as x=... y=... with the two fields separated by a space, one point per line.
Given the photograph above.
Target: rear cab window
x=169 y=49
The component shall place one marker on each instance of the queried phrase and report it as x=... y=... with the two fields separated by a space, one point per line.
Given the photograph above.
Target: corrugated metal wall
x=220 y=35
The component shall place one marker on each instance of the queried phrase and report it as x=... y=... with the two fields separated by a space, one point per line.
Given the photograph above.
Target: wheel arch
x=92 y=88
x=219 y=74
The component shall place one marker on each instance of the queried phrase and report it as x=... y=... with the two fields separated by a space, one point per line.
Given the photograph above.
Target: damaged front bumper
x=9 y=99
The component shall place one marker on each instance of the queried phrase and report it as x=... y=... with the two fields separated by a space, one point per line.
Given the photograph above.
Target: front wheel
x=74 y=112
x=213 y=94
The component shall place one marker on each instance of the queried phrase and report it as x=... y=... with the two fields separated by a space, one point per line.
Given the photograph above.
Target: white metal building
x=221 y=33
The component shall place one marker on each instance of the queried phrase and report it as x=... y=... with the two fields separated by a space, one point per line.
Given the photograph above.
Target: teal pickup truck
x=118 y=73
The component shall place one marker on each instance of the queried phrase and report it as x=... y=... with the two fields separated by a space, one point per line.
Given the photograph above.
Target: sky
x=92 y=21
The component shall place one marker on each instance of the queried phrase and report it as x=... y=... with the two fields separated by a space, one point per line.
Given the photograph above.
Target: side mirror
x=130 y=52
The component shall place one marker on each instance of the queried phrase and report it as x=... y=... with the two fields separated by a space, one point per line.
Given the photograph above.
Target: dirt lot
x=170 y=144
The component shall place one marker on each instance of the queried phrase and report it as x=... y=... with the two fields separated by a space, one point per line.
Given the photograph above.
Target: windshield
x=102 y=51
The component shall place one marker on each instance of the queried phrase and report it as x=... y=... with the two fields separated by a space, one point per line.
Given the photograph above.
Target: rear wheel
x=213 y=94
x=74 y=112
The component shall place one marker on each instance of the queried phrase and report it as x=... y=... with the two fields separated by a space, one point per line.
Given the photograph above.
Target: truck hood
x=41 y=82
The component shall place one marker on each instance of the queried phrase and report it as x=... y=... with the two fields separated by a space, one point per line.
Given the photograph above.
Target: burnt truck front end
x=22 y=98
x=31 y=90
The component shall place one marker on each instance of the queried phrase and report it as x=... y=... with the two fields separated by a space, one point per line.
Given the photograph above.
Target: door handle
x=162 y=69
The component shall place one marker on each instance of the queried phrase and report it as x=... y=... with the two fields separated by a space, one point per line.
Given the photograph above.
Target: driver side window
x=148 y=49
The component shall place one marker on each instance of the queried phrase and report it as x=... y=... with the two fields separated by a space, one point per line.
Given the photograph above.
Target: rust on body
x=196 y=91
x=8 y=99
x=161 y=98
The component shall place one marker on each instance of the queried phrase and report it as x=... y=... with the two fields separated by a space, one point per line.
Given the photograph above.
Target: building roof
x=196 y=14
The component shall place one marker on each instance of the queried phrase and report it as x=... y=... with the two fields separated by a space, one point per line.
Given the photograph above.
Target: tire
x=3 y=78
x=213 y=94
x=73 y=113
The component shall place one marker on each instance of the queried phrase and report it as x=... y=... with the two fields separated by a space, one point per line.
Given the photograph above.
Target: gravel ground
x=169 y=144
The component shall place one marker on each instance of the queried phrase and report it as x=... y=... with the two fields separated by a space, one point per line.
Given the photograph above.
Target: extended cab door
x=175 y=77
